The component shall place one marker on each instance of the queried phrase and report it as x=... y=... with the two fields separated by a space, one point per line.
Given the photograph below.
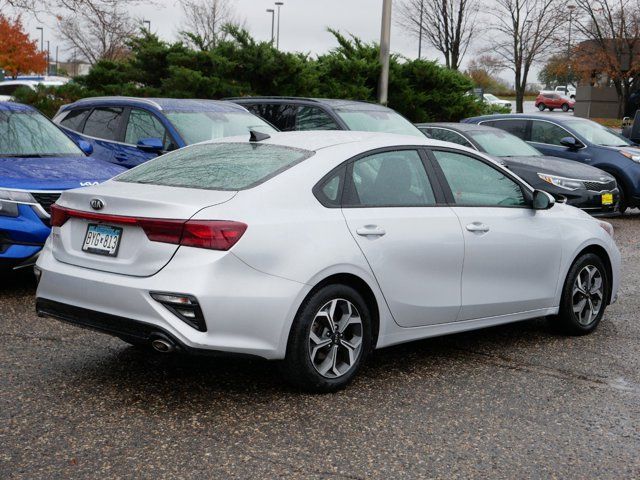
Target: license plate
x=607 y=199
x=102 y=240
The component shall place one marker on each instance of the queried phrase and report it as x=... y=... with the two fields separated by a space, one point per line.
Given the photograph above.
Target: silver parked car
x=317 y=247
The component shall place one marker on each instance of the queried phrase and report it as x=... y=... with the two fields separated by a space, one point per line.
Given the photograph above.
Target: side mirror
x=86 y=147
x=543 y=200
x=571 y=143
x=151 y=145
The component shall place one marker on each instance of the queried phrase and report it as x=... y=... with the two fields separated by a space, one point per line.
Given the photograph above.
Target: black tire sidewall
x=541 y=107
x=567 y=316
x=565 y=107
x=298 y=366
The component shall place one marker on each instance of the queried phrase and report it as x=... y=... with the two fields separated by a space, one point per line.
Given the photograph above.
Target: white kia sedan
x=317 y=247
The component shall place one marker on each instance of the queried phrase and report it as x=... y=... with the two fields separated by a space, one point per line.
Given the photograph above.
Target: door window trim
x=438 y=193
x=125 y=124
x=465 y=138
x=527 y=191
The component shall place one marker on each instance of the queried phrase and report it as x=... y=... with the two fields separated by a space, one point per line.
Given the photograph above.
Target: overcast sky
x=303 y=25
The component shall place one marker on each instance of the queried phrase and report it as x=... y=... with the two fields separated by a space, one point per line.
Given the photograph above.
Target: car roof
x=15 y=107
x=320 y=139
x=173 y=104
x=460 y=127
x=328 y=102
x=556 y=117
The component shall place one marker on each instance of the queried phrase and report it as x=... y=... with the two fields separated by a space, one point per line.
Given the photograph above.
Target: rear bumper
x=246 y=311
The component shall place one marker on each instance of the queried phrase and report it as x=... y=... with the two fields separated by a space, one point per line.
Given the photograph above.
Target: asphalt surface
x=520 y=401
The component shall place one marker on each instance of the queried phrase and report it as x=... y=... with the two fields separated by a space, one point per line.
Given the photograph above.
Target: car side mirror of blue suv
x=151 y=145
x=571 y=143
x=86 y=147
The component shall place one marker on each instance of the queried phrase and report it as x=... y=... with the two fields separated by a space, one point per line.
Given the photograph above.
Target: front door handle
x=478 y=227
x=371 y=231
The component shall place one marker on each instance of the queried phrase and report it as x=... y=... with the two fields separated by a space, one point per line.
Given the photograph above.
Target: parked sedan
x=37 y=162
x=552 y=101
x=301 y=114
x=129 y=131
x=568 y=181
x=493 y=100
x=317 y=247
x=581 y=140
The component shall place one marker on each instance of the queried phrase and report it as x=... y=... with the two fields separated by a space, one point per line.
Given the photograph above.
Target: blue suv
x=37 y=162
x=129 y=131
x=577 y=139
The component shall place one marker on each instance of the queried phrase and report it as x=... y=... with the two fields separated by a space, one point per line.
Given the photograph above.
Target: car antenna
x=257 y=136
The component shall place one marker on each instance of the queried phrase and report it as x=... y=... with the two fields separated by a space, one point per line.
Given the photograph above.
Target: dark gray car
x=582 y=186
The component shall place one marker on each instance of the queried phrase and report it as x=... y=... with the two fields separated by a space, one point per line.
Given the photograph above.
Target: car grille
x=600 y=186
x=46 y=199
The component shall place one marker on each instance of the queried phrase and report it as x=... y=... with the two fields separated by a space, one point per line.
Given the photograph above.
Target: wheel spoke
x=329 y=362
x=318 y=344
x=351 y=320
x=579 y=307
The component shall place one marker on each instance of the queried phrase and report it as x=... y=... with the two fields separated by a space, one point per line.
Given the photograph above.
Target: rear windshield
x=217 y=166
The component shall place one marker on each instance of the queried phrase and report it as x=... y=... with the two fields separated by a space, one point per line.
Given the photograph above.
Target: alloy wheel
x=588 y=295
x=335 y=338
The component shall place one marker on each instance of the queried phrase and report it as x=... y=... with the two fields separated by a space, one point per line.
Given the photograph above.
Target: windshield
x=217 y=166
x=489 y=96
x=197 y=127
x=30 y=134
x=503 y=144
x=597 y=134
x=386 y=121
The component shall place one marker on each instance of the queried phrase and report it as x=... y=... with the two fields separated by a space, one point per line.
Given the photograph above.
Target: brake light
x=210 y=234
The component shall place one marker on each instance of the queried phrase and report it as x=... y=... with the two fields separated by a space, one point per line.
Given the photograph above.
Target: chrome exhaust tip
x=162 y=345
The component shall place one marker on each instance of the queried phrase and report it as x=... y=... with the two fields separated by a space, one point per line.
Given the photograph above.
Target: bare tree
x=446 y=25
x=205 y=19
x=98 y=29
x=525 y=32
x=611 y=30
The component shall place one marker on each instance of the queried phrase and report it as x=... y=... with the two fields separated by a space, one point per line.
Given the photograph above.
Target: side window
x=514 y=127
x=9 y=89
x=546 y=132
x=390 y=179
x=74 y=119
x=448 y=136
x=329 y=190
x=476 y=183
x=313 y=118
x=104 y=123
x=282 y=116
x=143 y=124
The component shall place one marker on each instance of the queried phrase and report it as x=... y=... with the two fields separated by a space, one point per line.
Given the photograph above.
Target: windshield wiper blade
x=23 y=155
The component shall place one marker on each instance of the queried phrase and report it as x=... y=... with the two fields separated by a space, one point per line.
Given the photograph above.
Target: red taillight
x=211 y=234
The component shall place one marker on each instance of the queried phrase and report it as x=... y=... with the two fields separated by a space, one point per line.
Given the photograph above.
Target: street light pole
x=48 y=59
x=420 y=34
x=571 y=8
x=385 y=48
x=273 y=19
x=41 y=38
x=278 y=4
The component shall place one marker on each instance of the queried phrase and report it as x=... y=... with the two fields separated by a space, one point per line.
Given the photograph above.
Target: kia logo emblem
x=96 y=204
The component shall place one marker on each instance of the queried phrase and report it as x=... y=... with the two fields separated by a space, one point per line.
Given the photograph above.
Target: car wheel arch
x=357 y=283
x=601 y=253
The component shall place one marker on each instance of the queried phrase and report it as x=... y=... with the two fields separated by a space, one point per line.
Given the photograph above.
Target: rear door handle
x=371 y=231
x=478 y=227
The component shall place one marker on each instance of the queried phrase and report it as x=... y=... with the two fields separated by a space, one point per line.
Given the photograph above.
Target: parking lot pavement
x=508 y=402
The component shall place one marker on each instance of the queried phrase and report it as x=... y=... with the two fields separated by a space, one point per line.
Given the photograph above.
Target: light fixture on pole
x=148 y=23
x=278 y=4
x=273 y=19
x=385 y=48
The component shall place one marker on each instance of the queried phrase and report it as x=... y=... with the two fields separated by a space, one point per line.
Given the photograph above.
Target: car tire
x=318 y=358
x=551 y=109
x=541 y=107
x=622 y=197
x=565 y=107
x=584 y=295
